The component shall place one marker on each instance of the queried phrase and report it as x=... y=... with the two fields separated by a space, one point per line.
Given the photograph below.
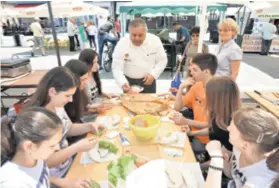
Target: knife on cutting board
x=275 y=102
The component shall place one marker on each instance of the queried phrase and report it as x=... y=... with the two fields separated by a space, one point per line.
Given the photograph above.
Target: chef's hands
x=127 y=89
x=148 y=79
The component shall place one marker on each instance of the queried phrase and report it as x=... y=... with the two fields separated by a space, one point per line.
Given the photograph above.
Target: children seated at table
x=254 y=134
x=202 y=69
x=93 y=88
x=26 y=142
x=54 y=91
x=222 y=100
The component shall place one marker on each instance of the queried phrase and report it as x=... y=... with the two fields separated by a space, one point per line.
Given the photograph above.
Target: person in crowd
x=103 y=36
x=229 y=54
x=139 y=59
x=254 y=135
x=118 y=26
x=192 y=48
x=82 y=36
x=26 y=142
x=92 y=34
x=268 y=32
x=218 y=90
x=54 y=91
x=71 y=34
x=182 y=35
x=202 y=70
x=76 y=31
x=38 y=35
x=93 y=87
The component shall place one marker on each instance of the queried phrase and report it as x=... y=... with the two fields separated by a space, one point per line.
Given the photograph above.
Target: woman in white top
x=25 y=144
x=54 y=91
x=92 y=34
x=254 y=133
x=229 y=54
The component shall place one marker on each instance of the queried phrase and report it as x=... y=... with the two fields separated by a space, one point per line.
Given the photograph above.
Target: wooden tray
x=145 y=104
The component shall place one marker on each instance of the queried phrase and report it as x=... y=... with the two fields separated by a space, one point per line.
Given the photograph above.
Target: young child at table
x=254 y=161
x=25 y=143
x=93 y=88
x=222 y=101
x=202 y=69
x=54 y=91
x=81 y=106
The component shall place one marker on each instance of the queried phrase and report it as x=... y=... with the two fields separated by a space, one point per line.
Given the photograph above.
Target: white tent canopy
x=7 y=12
x=65 y=9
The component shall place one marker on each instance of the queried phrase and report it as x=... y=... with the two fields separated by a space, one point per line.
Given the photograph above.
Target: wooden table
x=98 y=172
x=269 y=106
x=27 y=81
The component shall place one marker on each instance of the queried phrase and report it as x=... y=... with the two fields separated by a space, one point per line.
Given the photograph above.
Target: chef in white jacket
x=138 y=59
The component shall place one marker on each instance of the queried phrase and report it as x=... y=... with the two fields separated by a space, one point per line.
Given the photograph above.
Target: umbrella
x=60 y=9
x=9 y=12
x=65 y=9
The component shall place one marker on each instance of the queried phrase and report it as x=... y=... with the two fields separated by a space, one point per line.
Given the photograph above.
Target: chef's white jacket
x=138 y=61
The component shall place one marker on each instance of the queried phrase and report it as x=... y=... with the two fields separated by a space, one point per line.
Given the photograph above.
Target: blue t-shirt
x=183 y=32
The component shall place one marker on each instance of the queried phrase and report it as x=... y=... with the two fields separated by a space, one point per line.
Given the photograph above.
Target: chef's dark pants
x=147 y=88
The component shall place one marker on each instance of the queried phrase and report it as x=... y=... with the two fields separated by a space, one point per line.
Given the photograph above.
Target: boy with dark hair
x=203 y=67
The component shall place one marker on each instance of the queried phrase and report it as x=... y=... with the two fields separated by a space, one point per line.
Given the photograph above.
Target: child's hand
x=85 y=144
x=176 y=117
x=187 y=130
x=173 y=90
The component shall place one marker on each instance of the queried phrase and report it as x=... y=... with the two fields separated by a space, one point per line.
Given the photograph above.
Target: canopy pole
x=202 y=26
x=54 y=33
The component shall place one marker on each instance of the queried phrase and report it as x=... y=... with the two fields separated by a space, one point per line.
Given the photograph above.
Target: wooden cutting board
x=145 y=104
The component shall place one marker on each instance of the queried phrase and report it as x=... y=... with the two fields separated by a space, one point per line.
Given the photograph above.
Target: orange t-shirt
x=195 y=99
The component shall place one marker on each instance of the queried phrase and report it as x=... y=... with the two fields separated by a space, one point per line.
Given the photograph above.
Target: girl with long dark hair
x=54 y=91
x=93 y=88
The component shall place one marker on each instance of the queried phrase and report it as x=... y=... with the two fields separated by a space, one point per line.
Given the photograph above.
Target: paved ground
x=267 y=64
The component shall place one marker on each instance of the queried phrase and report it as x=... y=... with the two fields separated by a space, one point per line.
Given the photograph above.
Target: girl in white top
x=254 y=133
x=54 y=91
x=93 y=88
x=92 y=34
x=25 y=144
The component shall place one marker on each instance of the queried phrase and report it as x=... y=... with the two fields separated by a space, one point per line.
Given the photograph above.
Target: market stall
x=129 y=10
x=256 y=15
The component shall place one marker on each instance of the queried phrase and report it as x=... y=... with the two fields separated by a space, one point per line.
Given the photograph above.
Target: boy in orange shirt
x=202 y=70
